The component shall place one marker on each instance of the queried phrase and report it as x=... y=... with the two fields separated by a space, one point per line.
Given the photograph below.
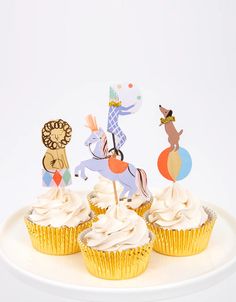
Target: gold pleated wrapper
x=95 y=208
x=143 y=208
x=56 y=241
x=98 y=210
x=184 y=242
x=117 y=265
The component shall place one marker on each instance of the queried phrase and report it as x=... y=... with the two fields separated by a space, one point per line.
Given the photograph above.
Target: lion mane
x=46 y=134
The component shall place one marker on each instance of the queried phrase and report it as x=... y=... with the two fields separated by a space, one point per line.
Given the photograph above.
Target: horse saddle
x=116 y=165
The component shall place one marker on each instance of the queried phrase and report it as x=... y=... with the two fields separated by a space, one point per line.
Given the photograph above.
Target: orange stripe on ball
x=162 y=164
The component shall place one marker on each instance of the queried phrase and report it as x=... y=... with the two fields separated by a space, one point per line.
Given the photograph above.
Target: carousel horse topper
x=132 y=179
x=174 y=163
x=55 y=136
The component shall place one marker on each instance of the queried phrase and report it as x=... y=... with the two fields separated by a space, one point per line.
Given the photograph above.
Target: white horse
x=132 y=179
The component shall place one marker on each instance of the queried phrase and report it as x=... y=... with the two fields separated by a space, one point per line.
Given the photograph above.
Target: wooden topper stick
x=114 y=184
x=115 y=191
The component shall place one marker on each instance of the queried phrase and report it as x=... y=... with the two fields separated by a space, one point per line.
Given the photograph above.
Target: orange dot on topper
x=128 y=94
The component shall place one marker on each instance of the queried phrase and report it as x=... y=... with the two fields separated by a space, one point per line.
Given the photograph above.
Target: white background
x=57 y=59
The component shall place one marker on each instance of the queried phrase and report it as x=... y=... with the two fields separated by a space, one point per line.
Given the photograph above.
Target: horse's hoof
x=129 y=199
x=76 y=175
x=86 y=178
x=120 y=199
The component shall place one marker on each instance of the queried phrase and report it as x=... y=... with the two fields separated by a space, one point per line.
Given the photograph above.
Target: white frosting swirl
x=119 y=229
x=136 y=202
x=176 y=208
x=103 y=195
x=60 y=207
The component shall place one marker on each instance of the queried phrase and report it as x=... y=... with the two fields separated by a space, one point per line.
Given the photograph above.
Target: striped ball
x=174 y=165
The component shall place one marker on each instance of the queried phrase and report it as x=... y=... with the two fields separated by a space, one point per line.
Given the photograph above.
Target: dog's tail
x=181 y=131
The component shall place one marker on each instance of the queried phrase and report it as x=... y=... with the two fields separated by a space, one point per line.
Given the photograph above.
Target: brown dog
x=173 y=134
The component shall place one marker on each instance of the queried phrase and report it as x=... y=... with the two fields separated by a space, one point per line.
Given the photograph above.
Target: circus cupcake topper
x=168 y=121
x=56 y=135
x=174 y=163
x=125 y=99
x=132 y=179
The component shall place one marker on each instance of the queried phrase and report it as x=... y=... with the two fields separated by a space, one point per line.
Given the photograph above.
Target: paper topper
x=55 y=136
x=128 y=94
x=173 y=134
x=174 y=163
x=132 y=179
x=125 y=99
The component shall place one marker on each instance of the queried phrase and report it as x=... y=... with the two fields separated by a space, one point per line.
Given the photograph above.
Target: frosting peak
x=60 y=207
x=177 y=208
x=119 y=229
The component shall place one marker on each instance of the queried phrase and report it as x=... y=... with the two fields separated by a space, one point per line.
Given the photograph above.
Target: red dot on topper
x=130 y=85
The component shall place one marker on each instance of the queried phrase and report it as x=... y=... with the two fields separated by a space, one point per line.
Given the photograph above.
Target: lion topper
x=55 y=136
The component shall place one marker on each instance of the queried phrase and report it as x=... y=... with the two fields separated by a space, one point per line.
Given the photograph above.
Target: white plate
x=166 y=277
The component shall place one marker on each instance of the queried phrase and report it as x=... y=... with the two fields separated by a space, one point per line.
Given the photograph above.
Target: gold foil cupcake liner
x=117 y=265
x=183 y=242
x=95 y=208
x=56 y=241
x=142 y=209
x=98 y=210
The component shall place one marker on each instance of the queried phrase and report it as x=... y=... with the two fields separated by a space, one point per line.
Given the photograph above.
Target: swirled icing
x=119 y=229
x=176 y=208
x=60 y=207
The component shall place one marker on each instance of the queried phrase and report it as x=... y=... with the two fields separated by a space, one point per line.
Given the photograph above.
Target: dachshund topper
x=168 y=122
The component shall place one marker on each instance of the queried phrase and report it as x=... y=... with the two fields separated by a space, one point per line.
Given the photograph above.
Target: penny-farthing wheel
x=114 y=150
x=119 y=153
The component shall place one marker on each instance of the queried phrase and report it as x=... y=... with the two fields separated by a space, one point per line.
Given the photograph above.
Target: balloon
x=128 y=94
x=174 y=165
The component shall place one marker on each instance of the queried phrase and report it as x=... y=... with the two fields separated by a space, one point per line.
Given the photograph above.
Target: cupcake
x=138 y=204
x=102 y=197
x=181 y=224
x=55 y=221
x=118 y=245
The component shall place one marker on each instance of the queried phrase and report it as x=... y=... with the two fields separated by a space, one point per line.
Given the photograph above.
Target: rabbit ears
x=91 y=123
